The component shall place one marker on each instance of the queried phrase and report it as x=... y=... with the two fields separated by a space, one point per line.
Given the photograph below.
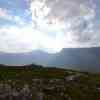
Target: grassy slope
x=82 y=89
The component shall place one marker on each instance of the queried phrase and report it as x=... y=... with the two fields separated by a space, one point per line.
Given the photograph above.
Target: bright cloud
x=73 y=19
x=16 y=40
x=4 y=13
x=55 y=24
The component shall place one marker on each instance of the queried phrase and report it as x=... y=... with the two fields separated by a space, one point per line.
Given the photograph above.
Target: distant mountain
x=73 y=58
x=36 y=57
x=78 y=58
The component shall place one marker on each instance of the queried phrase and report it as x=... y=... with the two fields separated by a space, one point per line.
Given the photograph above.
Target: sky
x=48 y=25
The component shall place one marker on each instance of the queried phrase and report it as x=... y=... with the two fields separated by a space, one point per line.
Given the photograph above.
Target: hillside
x=32 y=82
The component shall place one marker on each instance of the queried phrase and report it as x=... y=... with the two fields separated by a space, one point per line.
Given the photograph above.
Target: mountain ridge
x=74 y=58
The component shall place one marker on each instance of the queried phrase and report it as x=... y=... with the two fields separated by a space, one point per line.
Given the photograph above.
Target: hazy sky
x=48 y=25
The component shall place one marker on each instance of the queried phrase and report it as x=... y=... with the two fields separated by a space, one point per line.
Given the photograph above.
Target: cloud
x=4 y=13
x=15 y=39
x=56 y=24
x=72 y=18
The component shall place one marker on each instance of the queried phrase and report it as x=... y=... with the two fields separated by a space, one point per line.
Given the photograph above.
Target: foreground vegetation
x=38 y=83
